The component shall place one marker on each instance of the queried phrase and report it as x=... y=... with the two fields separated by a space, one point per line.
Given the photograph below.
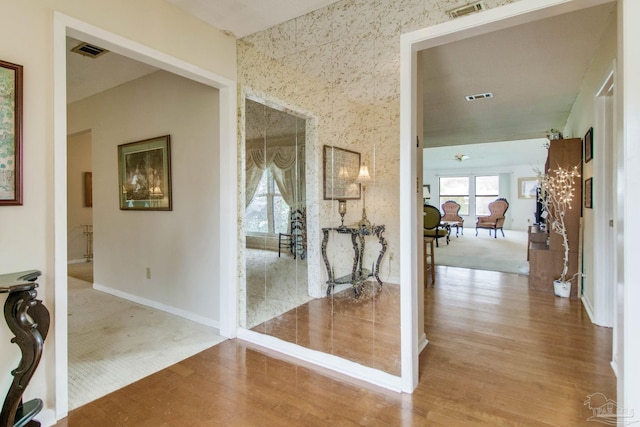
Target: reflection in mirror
x=315 y=255
x=275 y=214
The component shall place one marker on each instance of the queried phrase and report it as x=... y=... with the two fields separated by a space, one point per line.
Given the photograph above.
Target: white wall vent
x=479 y=96
x=86 y=49
x=465 y=10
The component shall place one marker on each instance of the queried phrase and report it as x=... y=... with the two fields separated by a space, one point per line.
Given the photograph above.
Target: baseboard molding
x=324 y=361
x=47 y=417
x=394 y=280
x=76 y=261
x=614 y=366
x=422 y=343
x=158 y=306
x=587 y=307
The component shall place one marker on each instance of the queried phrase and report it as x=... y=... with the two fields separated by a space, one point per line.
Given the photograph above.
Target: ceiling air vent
x=86 y=49
x=465 y=10
x=479 y=96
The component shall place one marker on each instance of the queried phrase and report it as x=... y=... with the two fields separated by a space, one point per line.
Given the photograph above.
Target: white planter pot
x=562 y=289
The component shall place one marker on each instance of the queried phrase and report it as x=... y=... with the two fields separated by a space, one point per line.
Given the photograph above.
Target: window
x=487 y=188
x=455 y=188
x=267 y=213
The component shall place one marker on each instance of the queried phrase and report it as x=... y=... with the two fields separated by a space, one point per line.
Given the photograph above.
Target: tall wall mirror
x=275 y=220
x=316 y=255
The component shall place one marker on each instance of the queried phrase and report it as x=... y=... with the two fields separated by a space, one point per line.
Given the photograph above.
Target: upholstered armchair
x=494 y=221
x=432 y=226
x=451 y=209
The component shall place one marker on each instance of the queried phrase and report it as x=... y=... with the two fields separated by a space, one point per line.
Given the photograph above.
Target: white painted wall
x=179 y=246
x=627 y=226
x=28 y=236
x=582 y=117
x=78 y=162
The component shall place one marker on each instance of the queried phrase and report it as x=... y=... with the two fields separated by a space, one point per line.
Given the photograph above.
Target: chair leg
x=437 y=246
x=279 y=245
x=476 y=231
x=502 y=232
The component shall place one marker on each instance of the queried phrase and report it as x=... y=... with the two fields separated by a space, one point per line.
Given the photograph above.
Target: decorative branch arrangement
x=556 y=194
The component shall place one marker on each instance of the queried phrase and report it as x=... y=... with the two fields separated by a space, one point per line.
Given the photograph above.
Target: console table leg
x=330 y=282
x=383 y=249
x=21 y=306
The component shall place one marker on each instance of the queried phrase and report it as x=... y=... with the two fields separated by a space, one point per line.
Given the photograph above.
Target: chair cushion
x=439 y=232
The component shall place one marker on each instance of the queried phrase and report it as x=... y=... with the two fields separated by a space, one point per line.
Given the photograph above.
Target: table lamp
x=364 y=178
x=426 y=194
x=342 y=210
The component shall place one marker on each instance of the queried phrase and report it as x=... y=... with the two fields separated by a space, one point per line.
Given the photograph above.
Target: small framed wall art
x=145 y=174
x=10 y=134
x=88 y=189
x=527 y=187
x=588 y=146
x=588 y=193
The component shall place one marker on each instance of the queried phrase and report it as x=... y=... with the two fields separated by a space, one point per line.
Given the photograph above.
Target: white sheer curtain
x=282 y=161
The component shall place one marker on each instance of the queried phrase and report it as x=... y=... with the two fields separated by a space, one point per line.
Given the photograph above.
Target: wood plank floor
x=332 y=325
x=498 y=354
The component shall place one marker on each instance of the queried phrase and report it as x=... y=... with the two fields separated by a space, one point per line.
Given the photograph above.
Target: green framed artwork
x=10 y=134
x=145 y=174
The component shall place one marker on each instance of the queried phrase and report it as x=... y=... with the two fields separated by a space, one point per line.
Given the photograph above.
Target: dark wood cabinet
x=545 y=260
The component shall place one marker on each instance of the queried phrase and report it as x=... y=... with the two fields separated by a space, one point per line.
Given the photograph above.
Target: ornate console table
x=28 y=319
x=358 y=273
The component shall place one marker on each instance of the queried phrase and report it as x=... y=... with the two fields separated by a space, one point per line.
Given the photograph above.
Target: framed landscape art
x=527 y=187
x=10 y=134
x=145 y=174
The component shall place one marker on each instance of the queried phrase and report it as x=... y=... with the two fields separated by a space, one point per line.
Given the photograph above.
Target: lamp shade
x=363 y=175
x=425 y=192
x=343 y=173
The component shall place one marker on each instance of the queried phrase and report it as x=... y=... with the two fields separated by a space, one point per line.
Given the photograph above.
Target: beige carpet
x=275 y=285
x=507 y=254
x=114 y=342
x=81 y=271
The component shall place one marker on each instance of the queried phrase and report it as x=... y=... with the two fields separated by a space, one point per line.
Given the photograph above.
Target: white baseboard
x=394 y=280
x=76 y=261
x=422 y=343
x=587 y=306
x=159 y=306
x=47 y=417
x=323 y=360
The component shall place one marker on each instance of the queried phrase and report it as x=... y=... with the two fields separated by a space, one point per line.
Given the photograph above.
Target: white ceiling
x=243 y=17
x=88 y=76
x=534 y=70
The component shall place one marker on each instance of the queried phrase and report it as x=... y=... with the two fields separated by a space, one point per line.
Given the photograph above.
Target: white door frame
x=518 y=13
x=604 y=197
x=64 y=26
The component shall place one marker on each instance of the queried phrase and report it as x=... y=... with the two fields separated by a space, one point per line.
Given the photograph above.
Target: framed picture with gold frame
x=527 y=187
x=341 y=168
x=145 y=174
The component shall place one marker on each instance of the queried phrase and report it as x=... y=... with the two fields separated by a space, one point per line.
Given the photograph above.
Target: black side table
x=358 y=274
x=20 y=308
